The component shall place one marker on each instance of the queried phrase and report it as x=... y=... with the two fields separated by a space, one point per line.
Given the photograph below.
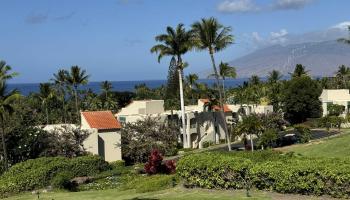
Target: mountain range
x=320 y=59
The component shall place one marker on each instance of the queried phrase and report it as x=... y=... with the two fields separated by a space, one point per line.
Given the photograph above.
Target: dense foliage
x=301 y=99
x=267 y=171
x=139 y=138
x=38 y=173
x=156 y=165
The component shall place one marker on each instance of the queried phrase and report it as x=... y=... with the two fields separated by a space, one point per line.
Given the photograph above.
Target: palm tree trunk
x=4 y=149
x=185 y=143
x=64 y=109
x=223 y=88
x=220 y=100
x=76 y=102
x=47 y=114
x=251 y=143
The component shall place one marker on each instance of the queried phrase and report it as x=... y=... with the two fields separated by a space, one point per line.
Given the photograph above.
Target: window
x=122 y=120
x=193 y=123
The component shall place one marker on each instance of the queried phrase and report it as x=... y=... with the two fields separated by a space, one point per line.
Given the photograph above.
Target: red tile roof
x=217 y=108
x=101 y=120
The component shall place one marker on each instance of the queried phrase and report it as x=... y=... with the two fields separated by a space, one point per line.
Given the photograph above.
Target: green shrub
x=213 y=170
x=280 y=173
x=118 y=163
x=62 y=181
x=303 y=133
x=37 y=173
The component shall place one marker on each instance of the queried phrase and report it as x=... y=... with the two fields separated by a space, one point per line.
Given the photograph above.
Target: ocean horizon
x=27 y=88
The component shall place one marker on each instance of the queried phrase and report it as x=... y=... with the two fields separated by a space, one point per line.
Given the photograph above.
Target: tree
x=299 y=71
x=342 y=76
x=212 y=36
x=75 y=78
x=139 y=138
x=274 y=76
x=226 y=71
x=301 y=99
x=191 y=80
x=106 y=87
x=175 y=43
x=7 y=100
x=60 y=80
x=46 y=93
x=251 y=125
x=335 y=109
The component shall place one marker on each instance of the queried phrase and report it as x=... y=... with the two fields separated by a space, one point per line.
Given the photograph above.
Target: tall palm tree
x=7 y=100
x=106 y=87
x=210 y=106
x=175 y=43
x=226 y=71
x=342 y=75
x=46 y=93
x=75 y=78
x=212 y=36
x=345 y=40
x=191 y=80
x=274 y=76
x=60 y=80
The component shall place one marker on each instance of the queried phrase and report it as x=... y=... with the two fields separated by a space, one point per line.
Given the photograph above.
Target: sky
x=111 y=39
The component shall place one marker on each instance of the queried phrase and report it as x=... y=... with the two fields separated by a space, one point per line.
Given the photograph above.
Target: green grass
x=336 y=147
x=169 y=194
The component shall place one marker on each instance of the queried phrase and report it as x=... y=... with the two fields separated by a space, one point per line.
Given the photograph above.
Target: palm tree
x=191 y=80
x=226 y=71
x=106 y=87
x=254 y=80
x=75 y=78
x=299 y=71
x=4 y=71
x=251 y=125
x=7 y=100
x=342 y=75
x=212 y=36
x=175 y=43
x=345 y=40
x=274 y=76
x=59 y=80
x=46 y=93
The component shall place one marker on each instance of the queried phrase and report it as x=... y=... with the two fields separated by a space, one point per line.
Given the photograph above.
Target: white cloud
x=279 y=37
x=342 y=25
x=232 y=6
x=290 y=4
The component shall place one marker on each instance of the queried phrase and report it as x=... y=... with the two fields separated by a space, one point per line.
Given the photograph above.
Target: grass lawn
x=169 y=194
x=177 y=193
x=338 y=146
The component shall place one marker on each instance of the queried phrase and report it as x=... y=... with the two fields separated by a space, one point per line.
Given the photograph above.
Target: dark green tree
x=301 y=99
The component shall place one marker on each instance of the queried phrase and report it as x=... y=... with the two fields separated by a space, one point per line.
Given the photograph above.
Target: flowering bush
x=155 y=164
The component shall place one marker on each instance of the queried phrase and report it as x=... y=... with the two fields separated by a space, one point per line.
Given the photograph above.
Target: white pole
x=184 y=135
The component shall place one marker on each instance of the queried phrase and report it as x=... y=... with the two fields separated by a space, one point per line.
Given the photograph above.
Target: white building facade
x=335 y=96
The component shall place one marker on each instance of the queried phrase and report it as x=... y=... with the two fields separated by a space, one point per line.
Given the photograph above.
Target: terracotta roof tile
x=217 y=108
x=101 y=120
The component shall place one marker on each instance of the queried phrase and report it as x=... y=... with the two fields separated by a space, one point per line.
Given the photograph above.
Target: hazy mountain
x=320 y=58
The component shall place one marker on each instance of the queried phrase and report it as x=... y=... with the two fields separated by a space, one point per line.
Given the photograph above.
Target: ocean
x=27 y=88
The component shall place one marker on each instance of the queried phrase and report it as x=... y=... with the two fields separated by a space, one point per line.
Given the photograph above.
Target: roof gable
x=102 y=120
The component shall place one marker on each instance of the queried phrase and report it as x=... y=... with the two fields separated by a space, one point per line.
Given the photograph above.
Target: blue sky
x=111 y=38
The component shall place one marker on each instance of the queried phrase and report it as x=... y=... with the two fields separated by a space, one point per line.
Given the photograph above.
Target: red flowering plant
x=156 y=165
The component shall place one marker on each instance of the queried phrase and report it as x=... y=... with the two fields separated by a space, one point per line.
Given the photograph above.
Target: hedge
x=38 y=173
x=280 y=173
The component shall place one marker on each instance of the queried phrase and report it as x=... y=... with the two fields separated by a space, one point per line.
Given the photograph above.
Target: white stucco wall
x=112 y=142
